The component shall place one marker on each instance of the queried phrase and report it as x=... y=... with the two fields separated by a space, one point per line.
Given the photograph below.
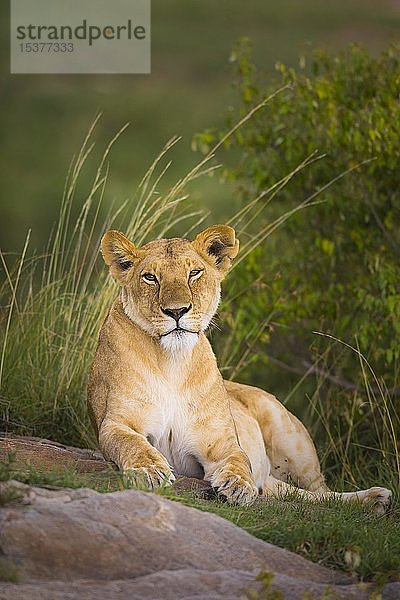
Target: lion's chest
x=170 y=425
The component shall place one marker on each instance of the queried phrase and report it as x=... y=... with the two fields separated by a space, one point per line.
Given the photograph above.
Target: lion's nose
x=176 y=313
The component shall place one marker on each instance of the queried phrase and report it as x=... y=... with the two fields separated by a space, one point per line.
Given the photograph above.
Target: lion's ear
x=218 y=245
x=119 y=254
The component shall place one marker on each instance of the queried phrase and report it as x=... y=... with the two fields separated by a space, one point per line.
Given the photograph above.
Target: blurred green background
x=44 y=118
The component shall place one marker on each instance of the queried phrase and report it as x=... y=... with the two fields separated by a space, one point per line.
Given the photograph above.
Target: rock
x=46 y=454
x=391 y=591
x=79 y=544
x=197 y=487
x=26 y=494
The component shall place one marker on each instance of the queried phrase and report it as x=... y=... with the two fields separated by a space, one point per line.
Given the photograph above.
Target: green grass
x=101 y=481
x=352 y=456
x=336 y=534
x=8 y=571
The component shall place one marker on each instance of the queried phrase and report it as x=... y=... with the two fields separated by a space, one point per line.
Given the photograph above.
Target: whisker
x=214 y=325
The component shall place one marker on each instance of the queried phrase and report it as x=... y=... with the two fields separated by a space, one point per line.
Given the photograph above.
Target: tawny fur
x=156 y=398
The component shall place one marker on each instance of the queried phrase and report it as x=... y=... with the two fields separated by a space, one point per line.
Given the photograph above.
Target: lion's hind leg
x=288 y=445
x=379 y=498
x=294 y=459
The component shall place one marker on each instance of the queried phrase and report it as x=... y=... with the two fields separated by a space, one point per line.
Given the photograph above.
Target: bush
x=335 y=268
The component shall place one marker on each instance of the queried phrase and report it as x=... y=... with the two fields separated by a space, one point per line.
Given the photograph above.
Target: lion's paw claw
x=235 y=488
x=148 y=477
x=380 y=499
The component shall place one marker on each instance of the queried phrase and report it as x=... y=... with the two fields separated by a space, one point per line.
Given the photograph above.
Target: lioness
x=156 y=398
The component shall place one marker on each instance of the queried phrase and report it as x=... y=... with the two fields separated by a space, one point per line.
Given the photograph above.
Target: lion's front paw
x=150 y=476
x=379 y=498
x=236 y=488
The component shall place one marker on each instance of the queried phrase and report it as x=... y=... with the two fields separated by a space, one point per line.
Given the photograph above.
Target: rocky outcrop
x=46 y=454
x=79 y=544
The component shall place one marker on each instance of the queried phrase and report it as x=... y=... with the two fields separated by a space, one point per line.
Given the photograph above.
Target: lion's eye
x=195 y=274
x=149 y=278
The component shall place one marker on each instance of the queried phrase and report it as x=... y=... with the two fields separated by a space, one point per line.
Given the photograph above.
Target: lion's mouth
x=179 y=331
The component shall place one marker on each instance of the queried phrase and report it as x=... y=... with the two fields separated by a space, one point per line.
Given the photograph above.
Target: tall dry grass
x=53 y=305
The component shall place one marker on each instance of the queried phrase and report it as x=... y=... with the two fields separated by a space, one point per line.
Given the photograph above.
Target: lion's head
x=171 y=288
